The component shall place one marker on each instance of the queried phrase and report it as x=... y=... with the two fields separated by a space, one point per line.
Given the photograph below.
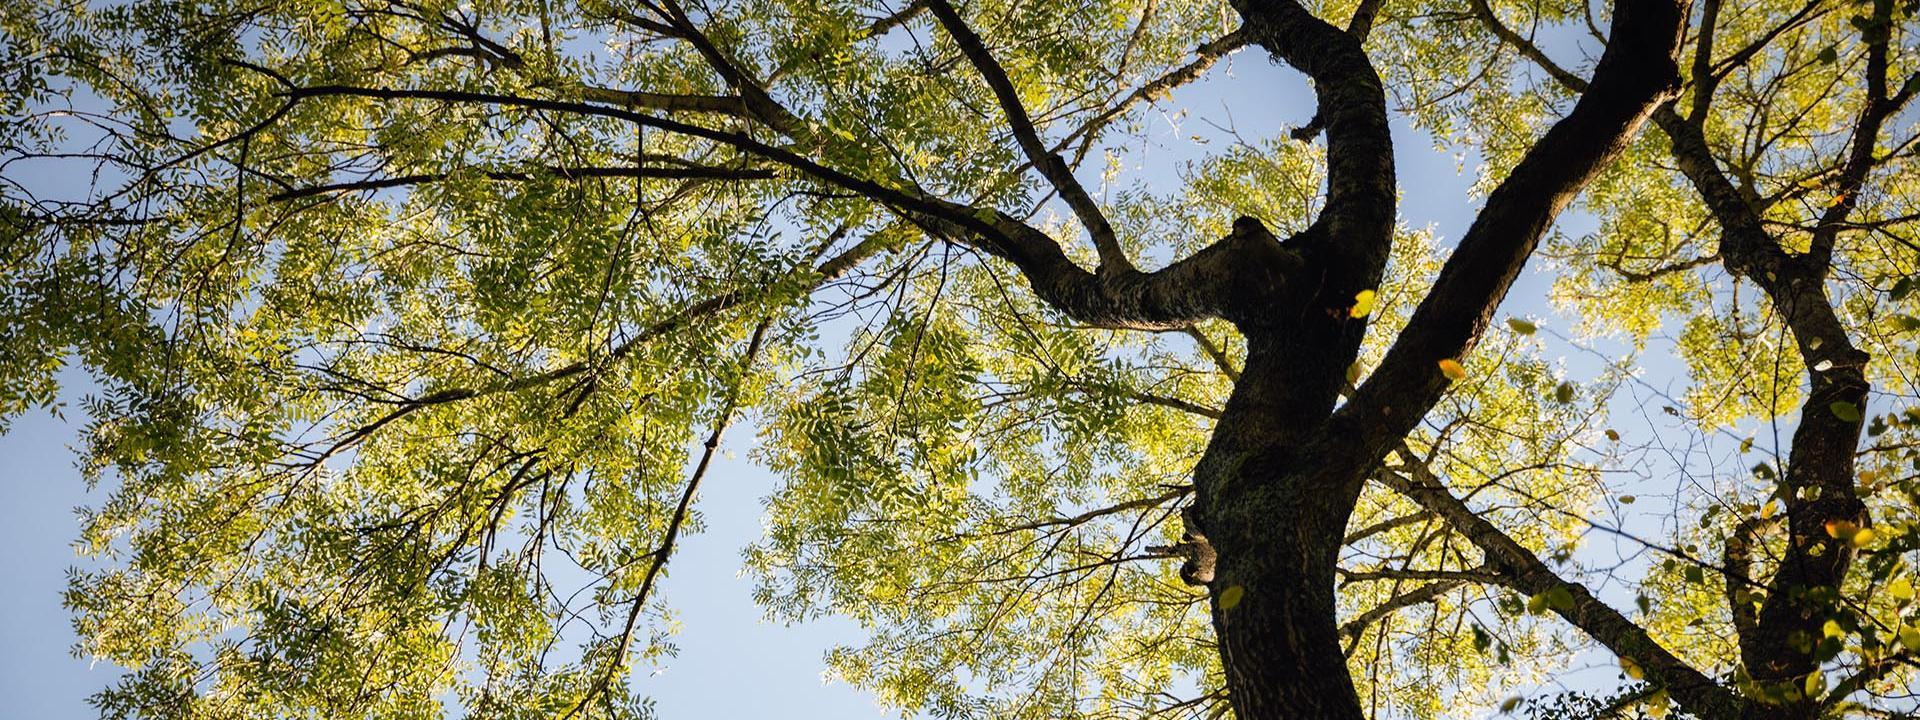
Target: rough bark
x=1279 y=480
x=1275 y=541
x=1818 y=485
x=1776 y=640
x=1699 y=694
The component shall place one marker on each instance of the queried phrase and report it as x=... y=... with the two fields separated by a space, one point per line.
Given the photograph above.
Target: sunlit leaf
x=1363 y=304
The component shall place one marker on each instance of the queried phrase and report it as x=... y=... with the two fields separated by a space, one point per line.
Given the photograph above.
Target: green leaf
x=1538 y=604
x=1900 y=590
x=1230 y=597
x=1560 y=598
x=1524 y=327
x=1816 y=683
x=1845 y=411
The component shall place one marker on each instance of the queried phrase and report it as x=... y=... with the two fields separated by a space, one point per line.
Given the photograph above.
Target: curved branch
x=1054 y=168
x=1355 y=230
x=1635 y=74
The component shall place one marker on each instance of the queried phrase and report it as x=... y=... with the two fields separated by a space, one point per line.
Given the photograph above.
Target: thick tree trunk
x=1275 y=539
x=1279 y=642
x=1278 y=482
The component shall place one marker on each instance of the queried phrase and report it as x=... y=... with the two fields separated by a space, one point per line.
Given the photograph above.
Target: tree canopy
x=418 y=324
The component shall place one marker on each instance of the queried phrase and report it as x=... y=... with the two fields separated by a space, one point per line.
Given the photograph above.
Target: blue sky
x=731 y=663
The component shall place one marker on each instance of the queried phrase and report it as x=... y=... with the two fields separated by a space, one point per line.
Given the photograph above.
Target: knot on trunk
x=1198 y=569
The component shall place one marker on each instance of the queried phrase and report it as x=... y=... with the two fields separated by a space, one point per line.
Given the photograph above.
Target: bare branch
x=664 y=552
x=1423 y=594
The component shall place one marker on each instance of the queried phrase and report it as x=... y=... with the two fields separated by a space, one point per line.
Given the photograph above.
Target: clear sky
x=731 y=663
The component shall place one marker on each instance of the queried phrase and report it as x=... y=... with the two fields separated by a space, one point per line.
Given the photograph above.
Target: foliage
x=418 y=323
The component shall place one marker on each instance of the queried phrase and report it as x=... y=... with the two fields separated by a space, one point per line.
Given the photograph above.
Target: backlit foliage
x=411 y=342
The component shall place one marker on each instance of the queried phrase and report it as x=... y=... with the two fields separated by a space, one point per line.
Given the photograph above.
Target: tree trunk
x=1274 y=617
x=1275 y=536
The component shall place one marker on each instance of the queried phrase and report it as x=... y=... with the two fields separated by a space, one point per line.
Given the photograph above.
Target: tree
x=414 y=317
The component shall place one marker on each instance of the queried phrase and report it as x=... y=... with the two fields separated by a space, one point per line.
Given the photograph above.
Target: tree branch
x=1696 y=692
x=1423 y=594
x=1113 y=259
x=1091 y=515
x=1866 y=135
x=664 y=552
x=1482 y=576
x=1635 y=74
x=1355 y=230
x=568 y=173
x=1527 y=49
x=1386 y=525
x=1186 y=406
x=1204 y=57
x=666 y=102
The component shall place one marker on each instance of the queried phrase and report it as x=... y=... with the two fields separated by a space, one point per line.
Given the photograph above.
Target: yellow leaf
x=1230 y=597
x=1901 y=589
x=1862 y=537
x=1816 y=682
x=1770 y=509
x=1363 y=303
x=1632 y=669
x=1839 y=529
x=1832 y=629
x=1452 y=369
x=1910 y=638
x=1524 y=327
x=1657 y=704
